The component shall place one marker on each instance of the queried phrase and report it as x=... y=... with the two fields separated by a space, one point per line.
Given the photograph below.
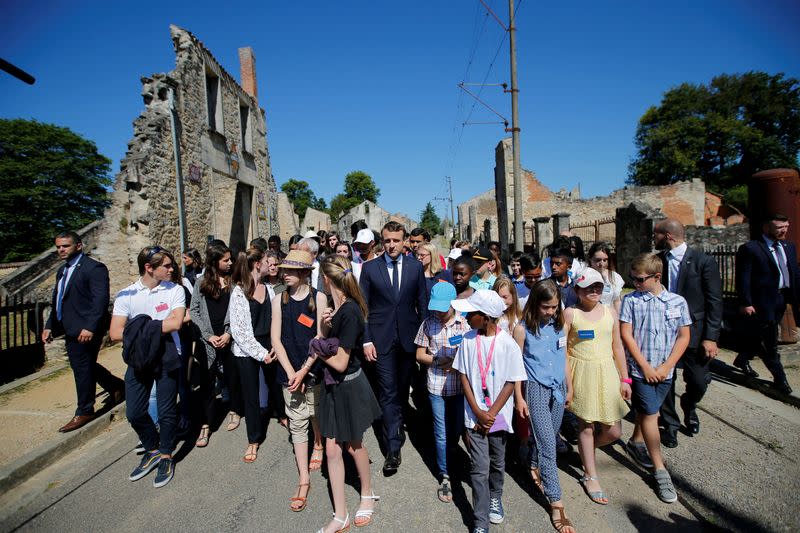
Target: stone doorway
x=241 y=218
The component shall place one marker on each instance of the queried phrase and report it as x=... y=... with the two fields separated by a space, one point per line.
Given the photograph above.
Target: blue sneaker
x=480 y=530
x=150 y=460
x=165 y=472
x=496 y=513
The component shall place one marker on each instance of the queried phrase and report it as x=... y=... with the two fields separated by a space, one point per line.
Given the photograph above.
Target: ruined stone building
x=223 y=169
x=374 y=215
x=687 y=201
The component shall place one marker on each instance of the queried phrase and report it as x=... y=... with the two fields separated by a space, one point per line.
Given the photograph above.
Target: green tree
x=51 y=179
x=430 y=221
x=358 y=187
x=723 y=133
x=302 y=197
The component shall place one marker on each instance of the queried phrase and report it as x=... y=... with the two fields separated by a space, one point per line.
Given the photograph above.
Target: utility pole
x=452 y=211
x=512 y=36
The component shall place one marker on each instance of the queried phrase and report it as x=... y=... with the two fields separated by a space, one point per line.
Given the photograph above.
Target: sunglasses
x=153 y=251
x=642 y=280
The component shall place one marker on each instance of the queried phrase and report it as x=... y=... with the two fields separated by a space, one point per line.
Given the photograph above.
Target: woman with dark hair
x=576 y=247
x=293 y=240
x=343 y=248
x=600 y=260
x=209 y=312
x=192 y=264
x=330 y=242
x=273 y=278
x=250 y=318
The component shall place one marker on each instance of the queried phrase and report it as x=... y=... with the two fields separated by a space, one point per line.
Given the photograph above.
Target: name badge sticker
x=562 y=342
x=674 y=313
x=606 y=289
x=305 y=320
x=455 y=340
x=586 y=334
x=163 y=306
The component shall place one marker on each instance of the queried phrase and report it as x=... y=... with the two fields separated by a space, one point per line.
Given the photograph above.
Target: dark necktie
x=61 y=291
x=395 y=278
x=781 y=264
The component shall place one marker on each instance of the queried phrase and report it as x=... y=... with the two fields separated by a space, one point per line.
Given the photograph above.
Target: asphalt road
x=741 y=474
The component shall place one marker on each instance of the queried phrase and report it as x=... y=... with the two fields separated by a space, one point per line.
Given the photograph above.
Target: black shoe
x=782 y=386
x=669 y=438
x=692 y=422
x=391 y=464
x=744 y=366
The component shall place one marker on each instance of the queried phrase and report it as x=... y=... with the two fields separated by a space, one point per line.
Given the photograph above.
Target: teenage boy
x=486 y=264
x=157 y=297
x=654 y=326
x=489 y=362
x=437 y=341
x=560 y=261
x=530 y=268
x=364 y=246
x=463 y=269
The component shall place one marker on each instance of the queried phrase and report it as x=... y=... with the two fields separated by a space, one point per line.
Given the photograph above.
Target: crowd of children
x=550 y=343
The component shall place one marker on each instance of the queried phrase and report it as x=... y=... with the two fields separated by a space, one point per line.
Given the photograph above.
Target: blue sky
x=373 y=85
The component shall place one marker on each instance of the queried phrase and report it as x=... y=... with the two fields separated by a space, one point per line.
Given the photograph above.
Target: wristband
x=629 y=381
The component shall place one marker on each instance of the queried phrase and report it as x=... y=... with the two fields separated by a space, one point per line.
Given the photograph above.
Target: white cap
x=455 y=253
x=589 y=277
x=483 y=300
x=311 y=234
x=365 y=236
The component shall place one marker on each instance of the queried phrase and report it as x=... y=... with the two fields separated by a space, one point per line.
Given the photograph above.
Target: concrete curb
x=33 y=377
x=31 y=463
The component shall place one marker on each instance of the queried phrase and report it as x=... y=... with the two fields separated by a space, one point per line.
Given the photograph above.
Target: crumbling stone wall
x=228 y=189
x=685 y=201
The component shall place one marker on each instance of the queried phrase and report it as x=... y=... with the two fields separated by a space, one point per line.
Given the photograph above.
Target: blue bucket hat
x=441 y=295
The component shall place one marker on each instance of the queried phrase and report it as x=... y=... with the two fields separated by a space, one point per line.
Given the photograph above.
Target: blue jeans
x=137 y=396
x=448 y=421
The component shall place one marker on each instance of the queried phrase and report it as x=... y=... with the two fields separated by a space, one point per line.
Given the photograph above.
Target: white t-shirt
x=612 y=288
x=157 y=303
x=506 y=366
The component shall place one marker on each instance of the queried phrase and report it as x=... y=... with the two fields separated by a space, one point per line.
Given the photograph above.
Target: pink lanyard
x=484 y=371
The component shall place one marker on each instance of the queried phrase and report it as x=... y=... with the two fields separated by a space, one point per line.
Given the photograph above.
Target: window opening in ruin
x=366 y=208
x=214 y=102
x=244 y=118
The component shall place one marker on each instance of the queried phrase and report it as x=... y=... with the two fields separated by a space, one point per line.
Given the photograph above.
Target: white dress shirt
x=674 y=258
x=782 y=283
x=390 y=267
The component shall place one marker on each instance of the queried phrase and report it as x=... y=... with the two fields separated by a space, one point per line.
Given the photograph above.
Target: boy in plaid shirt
x=654 y=326
x=437 y=341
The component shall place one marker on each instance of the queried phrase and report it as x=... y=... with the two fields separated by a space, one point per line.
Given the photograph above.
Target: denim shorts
x=648 y=397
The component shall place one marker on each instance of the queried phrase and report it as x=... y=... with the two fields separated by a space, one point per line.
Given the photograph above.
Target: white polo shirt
x=157 y=303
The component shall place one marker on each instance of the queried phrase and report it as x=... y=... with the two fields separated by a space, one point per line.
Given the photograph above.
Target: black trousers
x=88 y=373
x=206 y=378
x=761 y=338
x=230 y=373
x=276 y=407
x=248 y=374
x=696 y=376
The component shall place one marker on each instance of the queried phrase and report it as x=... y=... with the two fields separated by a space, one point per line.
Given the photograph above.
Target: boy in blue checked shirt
x=654 y=326
x=437 y=341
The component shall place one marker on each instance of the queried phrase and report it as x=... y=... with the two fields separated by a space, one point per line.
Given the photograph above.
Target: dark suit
x=84 y=306
x=392 y=326
x=757 y=279
x=699 y=283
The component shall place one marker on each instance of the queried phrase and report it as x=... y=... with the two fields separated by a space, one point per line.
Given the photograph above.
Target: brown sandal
x=233 y=421
x=315 y=464
x=202 y=439
x=251 y=456
x=536 y=476
x=562 y=522
x=302 y=499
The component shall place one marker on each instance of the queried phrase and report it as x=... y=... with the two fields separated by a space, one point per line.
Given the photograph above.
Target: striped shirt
x=655 y=321
x=437 y=337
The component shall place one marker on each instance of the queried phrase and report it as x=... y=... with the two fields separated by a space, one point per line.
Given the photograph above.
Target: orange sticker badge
x=306 y=320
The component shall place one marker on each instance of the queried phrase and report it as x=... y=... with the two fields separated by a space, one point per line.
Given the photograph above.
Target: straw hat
x=298 y=259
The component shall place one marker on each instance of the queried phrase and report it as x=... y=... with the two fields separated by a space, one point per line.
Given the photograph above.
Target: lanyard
x=484 y=371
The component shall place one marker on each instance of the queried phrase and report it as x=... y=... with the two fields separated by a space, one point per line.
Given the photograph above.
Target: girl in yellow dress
x=599 y=372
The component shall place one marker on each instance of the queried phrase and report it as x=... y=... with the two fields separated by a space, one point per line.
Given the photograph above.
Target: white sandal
x=366 y=513
x=345 y=524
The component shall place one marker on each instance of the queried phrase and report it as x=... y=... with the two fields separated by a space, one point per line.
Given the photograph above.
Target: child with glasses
x=655 y=331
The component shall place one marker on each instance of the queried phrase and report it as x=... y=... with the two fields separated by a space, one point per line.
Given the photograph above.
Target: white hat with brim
x=483 y=301
x=455 y=253
x=589 y=277
x=365 y=236
x=311 y=234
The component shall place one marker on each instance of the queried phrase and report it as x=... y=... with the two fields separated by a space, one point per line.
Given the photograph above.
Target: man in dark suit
x=394 y=289
x=694 y=275
x=79 y=311
x=767 y=279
